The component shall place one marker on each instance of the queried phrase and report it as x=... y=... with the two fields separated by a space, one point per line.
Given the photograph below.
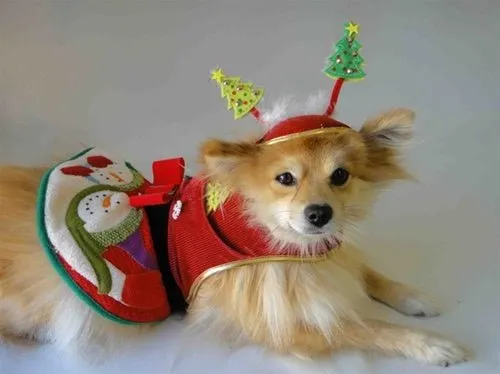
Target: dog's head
x=308 y=189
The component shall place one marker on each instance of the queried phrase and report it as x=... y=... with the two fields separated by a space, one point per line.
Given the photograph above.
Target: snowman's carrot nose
x=116 y=176
x=106 y=202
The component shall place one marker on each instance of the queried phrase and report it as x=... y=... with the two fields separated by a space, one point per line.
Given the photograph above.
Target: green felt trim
x=90 y=247
x=49 y=250
x=137 y=180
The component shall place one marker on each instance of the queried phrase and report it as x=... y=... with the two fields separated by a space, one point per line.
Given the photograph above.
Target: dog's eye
x=286 y=179
x=339 y=177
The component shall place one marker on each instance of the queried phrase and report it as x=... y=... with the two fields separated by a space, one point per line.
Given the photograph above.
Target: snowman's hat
x=344 y=64
x=86 y=170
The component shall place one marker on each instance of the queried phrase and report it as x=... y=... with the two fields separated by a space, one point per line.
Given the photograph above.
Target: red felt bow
x=167 y=177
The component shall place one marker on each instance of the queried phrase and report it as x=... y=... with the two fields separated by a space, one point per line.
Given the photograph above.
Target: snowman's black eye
x=91 y=212
x=107 y=179
x=87 y=208
x=103 y=195
x=106 y=211
x=118 y=202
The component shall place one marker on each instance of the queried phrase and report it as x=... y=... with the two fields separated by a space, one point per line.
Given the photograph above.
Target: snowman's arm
x=101 y=270
x=92 y=252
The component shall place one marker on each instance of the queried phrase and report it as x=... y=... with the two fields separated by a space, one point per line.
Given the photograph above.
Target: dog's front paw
x=435 y=350
x=417 y=304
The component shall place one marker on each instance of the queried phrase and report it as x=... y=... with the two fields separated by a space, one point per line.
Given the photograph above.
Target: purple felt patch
x=134 y=246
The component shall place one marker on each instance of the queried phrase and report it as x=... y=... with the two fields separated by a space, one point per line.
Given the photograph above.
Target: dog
x=304 y=191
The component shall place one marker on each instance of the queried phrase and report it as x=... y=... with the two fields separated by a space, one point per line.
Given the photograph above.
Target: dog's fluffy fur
x=304 y=309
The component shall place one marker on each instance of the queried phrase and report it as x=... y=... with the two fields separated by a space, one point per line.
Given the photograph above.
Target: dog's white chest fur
x=315 y=294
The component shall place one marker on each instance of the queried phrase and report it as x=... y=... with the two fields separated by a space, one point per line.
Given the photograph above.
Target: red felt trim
x=114 y=307
x=170 y=171
x=99 y=161
x=160 y=189
x=142 y=290
x=78 y=170
x=334 y=96
x=122 y=260
x=139 y=201
x=167 y=175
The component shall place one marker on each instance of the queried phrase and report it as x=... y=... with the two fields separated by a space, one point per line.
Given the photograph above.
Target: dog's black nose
x=318 y=215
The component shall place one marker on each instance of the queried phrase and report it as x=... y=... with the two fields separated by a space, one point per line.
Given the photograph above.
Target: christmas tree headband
x=343 y=64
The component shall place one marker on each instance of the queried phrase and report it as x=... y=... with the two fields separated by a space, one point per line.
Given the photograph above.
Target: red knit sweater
x=201 y=244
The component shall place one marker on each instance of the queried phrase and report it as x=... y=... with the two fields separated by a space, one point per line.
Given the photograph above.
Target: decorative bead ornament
x=176 y=211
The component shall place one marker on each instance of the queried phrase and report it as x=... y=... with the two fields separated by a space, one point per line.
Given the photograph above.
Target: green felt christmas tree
x=345 y=62
x=241 y=97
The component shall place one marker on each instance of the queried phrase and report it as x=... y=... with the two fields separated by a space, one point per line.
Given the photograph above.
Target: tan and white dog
x=302 y=191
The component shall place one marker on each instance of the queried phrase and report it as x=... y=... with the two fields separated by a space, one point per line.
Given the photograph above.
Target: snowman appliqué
x=108 y=229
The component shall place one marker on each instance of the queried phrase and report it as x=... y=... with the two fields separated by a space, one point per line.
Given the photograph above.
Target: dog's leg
x=386 y=338
x=403 y=298
x=391 y=339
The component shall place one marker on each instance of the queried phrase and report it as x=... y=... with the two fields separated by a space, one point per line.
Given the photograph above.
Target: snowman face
x=114 y=174
x=103 y=210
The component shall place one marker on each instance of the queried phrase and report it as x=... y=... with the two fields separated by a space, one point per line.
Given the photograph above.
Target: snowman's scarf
x=113 y=269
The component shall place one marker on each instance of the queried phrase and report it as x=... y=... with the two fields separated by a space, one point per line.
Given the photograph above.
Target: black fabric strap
x=158 y=222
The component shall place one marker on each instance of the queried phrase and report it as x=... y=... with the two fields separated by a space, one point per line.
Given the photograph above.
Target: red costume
x=167 y=219
x=200 y=245
x=161 y=262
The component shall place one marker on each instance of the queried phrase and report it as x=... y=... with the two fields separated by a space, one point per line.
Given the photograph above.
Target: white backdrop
x=133 y=77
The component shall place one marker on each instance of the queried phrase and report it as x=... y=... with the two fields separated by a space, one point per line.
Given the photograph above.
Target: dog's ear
x=223 y=159
x=390 y=129
x=383 y=136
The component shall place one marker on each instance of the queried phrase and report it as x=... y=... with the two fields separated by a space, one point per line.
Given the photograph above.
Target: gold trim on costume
x=280 y=139
x=231 y=265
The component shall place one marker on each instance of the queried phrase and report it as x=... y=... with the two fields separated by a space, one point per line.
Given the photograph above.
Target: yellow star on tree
x=352 y=28
x=217 y=75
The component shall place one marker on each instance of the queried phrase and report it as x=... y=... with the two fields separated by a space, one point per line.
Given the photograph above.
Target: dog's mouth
x=314 y=232
x=314 y=238
x=308 y=231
